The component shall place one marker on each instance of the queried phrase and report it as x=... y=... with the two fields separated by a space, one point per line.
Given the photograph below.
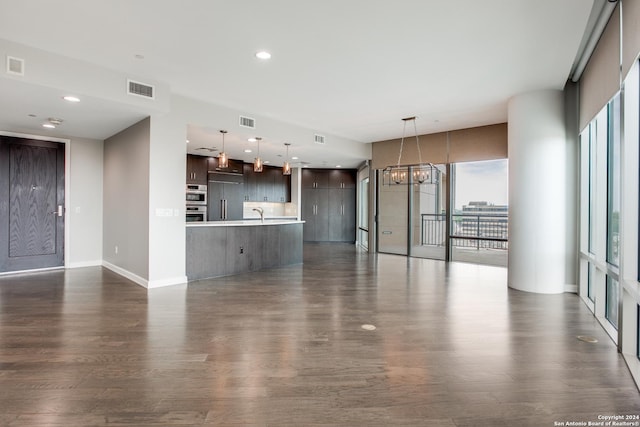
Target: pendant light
x=421 y=173
x=223 y=160
x=286 y=168
x=257 y=164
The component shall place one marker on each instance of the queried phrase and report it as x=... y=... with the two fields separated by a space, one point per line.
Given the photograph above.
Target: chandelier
x=420 y=173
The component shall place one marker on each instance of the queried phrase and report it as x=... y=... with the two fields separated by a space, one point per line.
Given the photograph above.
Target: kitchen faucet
x=261 y=212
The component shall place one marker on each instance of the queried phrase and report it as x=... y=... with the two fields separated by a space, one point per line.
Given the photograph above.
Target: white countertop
x=244 y=222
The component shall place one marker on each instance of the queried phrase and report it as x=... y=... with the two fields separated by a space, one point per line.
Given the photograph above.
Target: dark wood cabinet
x=342 y=215
x=266 y=186
x=235 y=167
x=224 y=198
x=329 y=205
x=197 y=169
x=315 y=213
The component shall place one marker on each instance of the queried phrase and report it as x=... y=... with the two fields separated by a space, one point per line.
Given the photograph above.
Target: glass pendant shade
x=286 y=167
x=223 y=160
x=257 y=163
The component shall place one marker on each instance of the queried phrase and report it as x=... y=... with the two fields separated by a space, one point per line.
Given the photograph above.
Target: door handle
x=59 y=211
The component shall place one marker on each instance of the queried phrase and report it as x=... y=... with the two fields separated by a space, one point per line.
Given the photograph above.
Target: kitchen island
x=223 y=248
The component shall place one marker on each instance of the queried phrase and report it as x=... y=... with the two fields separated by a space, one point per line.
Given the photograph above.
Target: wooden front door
x=31 y=204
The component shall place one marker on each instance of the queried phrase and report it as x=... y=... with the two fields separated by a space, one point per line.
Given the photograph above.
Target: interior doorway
x=32 y=200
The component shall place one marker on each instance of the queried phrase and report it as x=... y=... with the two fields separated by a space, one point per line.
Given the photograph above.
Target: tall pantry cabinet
x=329 y=205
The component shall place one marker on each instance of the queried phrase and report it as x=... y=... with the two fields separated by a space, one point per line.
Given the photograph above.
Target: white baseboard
x=180 y=280
x=95 y=263
x=126 y=273
x=572 y=289
x=149 y=284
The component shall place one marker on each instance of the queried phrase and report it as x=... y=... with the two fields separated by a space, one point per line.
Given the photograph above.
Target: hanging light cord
x=404 y=126
x=415 y=131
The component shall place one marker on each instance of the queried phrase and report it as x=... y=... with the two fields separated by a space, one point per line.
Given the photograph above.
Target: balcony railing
x=486 y=231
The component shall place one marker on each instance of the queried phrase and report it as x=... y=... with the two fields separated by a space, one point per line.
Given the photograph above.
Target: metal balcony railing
x=487 y=231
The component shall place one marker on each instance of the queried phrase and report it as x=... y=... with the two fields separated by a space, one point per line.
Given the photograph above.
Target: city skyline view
x=484 y=181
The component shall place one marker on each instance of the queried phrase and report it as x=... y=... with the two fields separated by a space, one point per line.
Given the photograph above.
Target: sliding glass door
x=412 y=217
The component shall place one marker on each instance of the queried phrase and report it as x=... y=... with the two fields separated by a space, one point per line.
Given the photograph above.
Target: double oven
x=196 y=203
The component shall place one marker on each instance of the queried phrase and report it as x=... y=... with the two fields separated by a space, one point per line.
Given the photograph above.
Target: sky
x=482 y=181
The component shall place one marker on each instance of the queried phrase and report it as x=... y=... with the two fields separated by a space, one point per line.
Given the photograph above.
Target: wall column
x=541 y=194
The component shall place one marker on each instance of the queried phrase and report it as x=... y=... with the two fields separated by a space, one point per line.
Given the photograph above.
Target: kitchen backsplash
x=271 y=209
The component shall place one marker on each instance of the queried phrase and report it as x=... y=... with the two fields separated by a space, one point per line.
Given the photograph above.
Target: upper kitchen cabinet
x=341 y=178
x=236 y=167
x=328 y=178
x=270 y=185
x=197 y=169
x=315 y=178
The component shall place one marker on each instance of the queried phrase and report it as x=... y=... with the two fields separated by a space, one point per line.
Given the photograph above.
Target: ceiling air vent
x=318 y=139
x=15 y=66
x=140 y=89
x=247 y=122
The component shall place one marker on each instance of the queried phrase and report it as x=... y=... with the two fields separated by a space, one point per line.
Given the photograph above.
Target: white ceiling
x=350 y=68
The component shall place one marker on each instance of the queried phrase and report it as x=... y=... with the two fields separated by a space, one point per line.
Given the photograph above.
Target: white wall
x=541 y=195
x=126 y=203
x=167 y=173
x=85 y=203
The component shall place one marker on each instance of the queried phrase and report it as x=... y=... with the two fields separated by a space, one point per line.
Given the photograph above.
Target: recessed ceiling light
x=252 y=140
x=138 y=56
x=187 y=141
x=247 y=150
x=338 y=166
x=48 y=126
x=266 y=161
x=71 y=98
x=294 y=158
x=263 y=54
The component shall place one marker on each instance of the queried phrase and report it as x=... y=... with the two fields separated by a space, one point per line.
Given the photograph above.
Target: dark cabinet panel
x=315 y=178
x=266 y=186
x=236 y=167
x=225 y=200
x=251 y=183
x=342 y=178
x=315 y=213
x=240 y=250
x=329 y=205
x=197 y=169
x=342 y=215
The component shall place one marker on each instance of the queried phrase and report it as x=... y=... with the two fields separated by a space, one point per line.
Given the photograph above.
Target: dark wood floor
x=453 y=347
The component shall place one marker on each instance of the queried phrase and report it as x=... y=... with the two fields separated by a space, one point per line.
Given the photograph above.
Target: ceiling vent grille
x=318 y=139
x=247 y=122
x=15 y=66
x=140 y=89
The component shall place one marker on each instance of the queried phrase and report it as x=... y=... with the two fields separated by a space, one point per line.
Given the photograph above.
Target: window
x=479 y=219
x=613 y=182
x=612 y=293
x=590 y=280
x=592 y=185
